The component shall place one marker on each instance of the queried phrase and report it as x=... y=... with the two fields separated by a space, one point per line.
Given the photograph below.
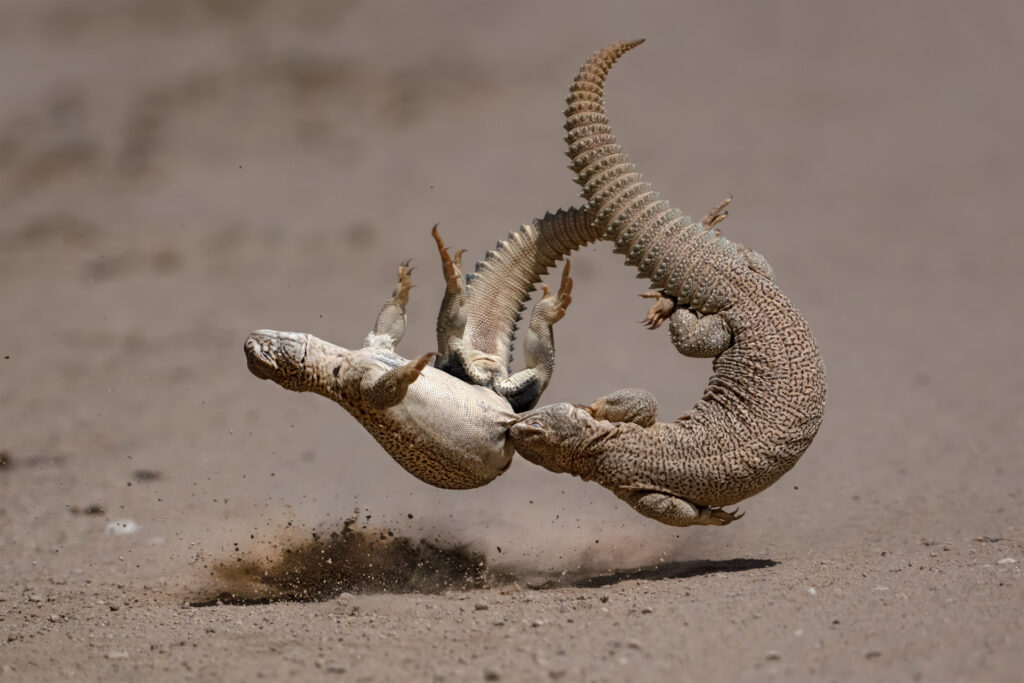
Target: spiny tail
x=498 y=290
x=675 y=253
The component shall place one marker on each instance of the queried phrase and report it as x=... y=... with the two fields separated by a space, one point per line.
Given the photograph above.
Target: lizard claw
x=404 y=271
x=553 y=306
x=660 y=311
x=564 y=296
x=717 y=214
x=721 y=516
x=452 y=267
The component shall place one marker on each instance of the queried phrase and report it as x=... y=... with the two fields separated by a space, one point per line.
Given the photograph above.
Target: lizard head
x=295 y=360
x=553 y=435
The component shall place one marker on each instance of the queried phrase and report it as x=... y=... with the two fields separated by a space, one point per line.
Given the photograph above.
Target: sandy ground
x=174 y=175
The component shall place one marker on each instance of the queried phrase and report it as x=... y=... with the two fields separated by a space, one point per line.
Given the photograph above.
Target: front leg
x=523 y=389
x=626 y=405
x=693 y=335
x=390 y=326
x=673 y=510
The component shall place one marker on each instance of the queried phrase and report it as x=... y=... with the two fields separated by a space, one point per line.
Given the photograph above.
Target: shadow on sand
x=374 y=560
x=659 y=572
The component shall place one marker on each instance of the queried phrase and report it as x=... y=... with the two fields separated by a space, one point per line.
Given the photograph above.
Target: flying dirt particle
x=146 y=475
x=323 y=565
x=92 y=509
x=6 y=461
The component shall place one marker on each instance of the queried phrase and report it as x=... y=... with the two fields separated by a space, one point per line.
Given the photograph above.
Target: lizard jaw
x=271 y=354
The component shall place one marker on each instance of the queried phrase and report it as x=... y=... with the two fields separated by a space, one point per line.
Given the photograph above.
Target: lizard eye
x=535 y=423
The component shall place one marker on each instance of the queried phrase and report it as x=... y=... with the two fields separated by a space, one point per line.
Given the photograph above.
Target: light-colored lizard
x=447 y=425
x=764 y=402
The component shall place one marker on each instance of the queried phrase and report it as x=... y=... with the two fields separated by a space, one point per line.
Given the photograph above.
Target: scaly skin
x=480 y=312
x=764 y=402
x=446 y=431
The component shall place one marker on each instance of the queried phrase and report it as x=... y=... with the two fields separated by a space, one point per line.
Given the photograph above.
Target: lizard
x=445 y=424
x=765 y=399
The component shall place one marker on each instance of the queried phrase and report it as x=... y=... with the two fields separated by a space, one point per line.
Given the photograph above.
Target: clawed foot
x=660 y=311
x=404 y=280
x=552 y=307
x=450 y=265
x=720 y=516
x=717 y=214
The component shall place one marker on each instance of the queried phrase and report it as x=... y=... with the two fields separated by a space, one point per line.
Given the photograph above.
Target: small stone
x=335 y=669
x=54 y=618
x=873 y=654
x=500 y=621
x=1007 y=560
x=812 y=590
x=773 y=655
x=537 y=622
x=117 y=654
x=491 y=674
x=481 y=606
x=604 y=598
x=646 y=610
x=634 y=644
x=114 y=608
x=35 y=597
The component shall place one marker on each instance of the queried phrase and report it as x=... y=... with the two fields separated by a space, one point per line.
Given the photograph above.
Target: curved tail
x=677 y=254
x=501 y=284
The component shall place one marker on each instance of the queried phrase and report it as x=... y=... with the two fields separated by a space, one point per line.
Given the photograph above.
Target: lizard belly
x=446 y=432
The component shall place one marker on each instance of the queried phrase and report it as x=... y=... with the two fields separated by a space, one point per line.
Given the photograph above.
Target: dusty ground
x=173 y=175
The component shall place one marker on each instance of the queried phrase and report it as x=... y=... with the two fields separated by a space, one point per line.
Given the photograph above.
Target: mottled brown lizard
x=763 y=404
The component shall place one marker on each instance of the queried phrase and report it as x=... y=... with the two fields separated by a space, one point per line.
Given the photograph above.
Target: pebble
x=500 y=621
x=646 y=610
x=481 y=606
x=773 y=655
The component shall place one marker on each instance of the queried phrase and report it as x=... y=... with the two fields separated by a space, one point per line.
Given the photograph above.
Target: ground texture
x=174 y=175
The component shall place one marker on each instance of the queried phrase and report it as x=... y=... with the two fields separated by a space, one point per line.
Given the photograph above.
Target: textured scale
x=441 y=427
x=502 y=283
x=765 y=400
x=623 y=202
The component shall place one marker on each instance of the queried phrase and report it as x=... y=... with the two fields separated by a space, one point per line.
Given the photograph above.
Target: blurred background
x=176 y=174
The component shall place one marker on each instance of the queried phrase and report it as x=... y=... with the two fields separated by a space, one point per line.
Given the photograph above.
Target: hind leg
x=523 y=389
x=451 y=319
x=675 y=511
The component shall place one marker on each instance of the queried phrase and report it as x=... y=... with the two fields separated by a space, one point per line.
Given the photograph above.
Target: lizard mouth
x=268 y=354
x=526 y=426
x=257 y=359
